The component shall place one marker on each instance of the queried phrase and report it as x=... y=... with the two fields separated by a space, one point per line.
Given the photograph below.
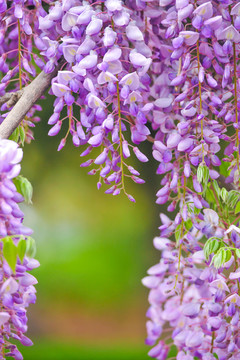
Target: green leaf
x=196 y=211
x=216 y=187
x=203 y=174
x=237 y=208
x=15 y=135
x=236 y=176
x=10 y=253
x=24 y=187
x=209 y=196
x=214 y=246
x=200 y=173
x=22 y=135
x=228 y=255
x=190 y=208
x=233 y=197
x=219 y=258
x=188 y=224
x=206 y=250
x=31 y=247
x=224 y=194
x=178 y=231
x=27 y=190
x=237 y=251
x=211 y=246
x=224 y=168
x=21 y=248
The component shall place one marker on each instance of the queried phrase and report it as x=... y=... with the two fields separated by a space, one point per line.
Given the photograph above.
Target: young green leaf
x=178 y=231
x=24 y=187
x=233 y=197
x=237 y=208
x=188 y=224
x=189 y=207
x=21 y=248
x=216 y=187
x=224 y=194
x=200 y=173
x=203 y=174
x=10 y=253
x=228 y=255
x=224 y=168
x=237 y=251
x=22 y=135
x=15 y=135
x=31 y=247
x=211 y=246
x=206 y=250
x=196 y=210
x=219 y=258
x=210 y=196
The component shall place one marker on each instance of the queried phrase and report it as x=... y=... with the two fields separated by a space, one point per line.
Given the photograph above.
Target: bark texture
x=30 y=94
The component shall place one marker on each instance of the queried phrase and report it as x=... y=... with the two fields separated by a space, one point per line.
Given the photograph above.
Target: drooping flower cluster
x=17 y=289
x=18 y=34
x=196 y=110
x=164 y=71
x=105 y=77
x=201 y=307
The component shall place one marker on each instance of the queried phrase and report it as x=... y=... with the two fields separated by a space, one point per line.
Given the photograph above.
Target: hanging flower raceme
x=105 y=75
x=165 y=71
x=17 y=289
x=18 y=33
x=195 y=87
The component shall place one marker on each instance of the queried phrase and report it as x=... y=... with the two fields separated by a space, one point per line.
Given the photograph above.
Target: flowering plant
x=126 y=72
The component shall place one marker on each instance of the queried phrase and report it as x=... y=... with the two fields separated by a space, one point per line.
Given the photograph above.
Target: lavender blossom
x=17 y=290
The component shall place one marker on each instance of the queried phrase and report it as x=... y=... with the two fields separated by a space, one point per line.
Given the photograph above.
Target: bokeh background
x=93 y=249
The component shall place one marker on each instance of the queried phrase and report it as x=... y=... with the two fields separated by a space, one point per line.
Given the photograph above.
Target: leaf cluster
x=24 y=187
x=229 y=201
x=18 y=135
x=222 y=252
x=203 y=175
x=25 y=246
x=182 y=230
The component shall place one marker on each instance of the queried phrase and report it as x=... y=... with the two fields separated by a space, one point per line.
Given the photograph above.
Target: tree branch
x=30 y=95
x=11 y=98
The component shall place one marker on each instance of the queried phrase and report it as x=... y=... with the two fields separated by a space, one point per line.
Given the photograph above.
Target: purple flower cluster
x=105 y=77
x=17 y=289
x=165 y=71
x=18 y=33
x=201 y=306
x=195 y=87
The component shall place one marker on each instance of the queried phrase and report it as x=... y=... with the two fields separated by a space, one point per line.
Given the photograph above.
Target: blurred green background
x=93 y=249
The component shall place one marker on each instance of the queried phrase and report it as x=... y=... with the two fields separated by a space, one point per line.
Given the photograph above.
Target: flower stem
x=200 y=98
x=69 y=119
x=212 y=342
x=19 y=56
x=235 y=103
x=120 y=133
x=181 y=236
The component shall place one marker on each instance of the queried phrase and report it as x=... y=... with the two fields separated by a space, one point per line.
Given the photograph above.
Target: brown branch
x=30 y=95
x=11 y=98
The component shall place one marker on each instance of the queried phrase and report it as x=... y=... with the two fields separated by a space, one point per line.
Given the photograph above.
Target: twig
x=30 y=95
x=11 y=98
